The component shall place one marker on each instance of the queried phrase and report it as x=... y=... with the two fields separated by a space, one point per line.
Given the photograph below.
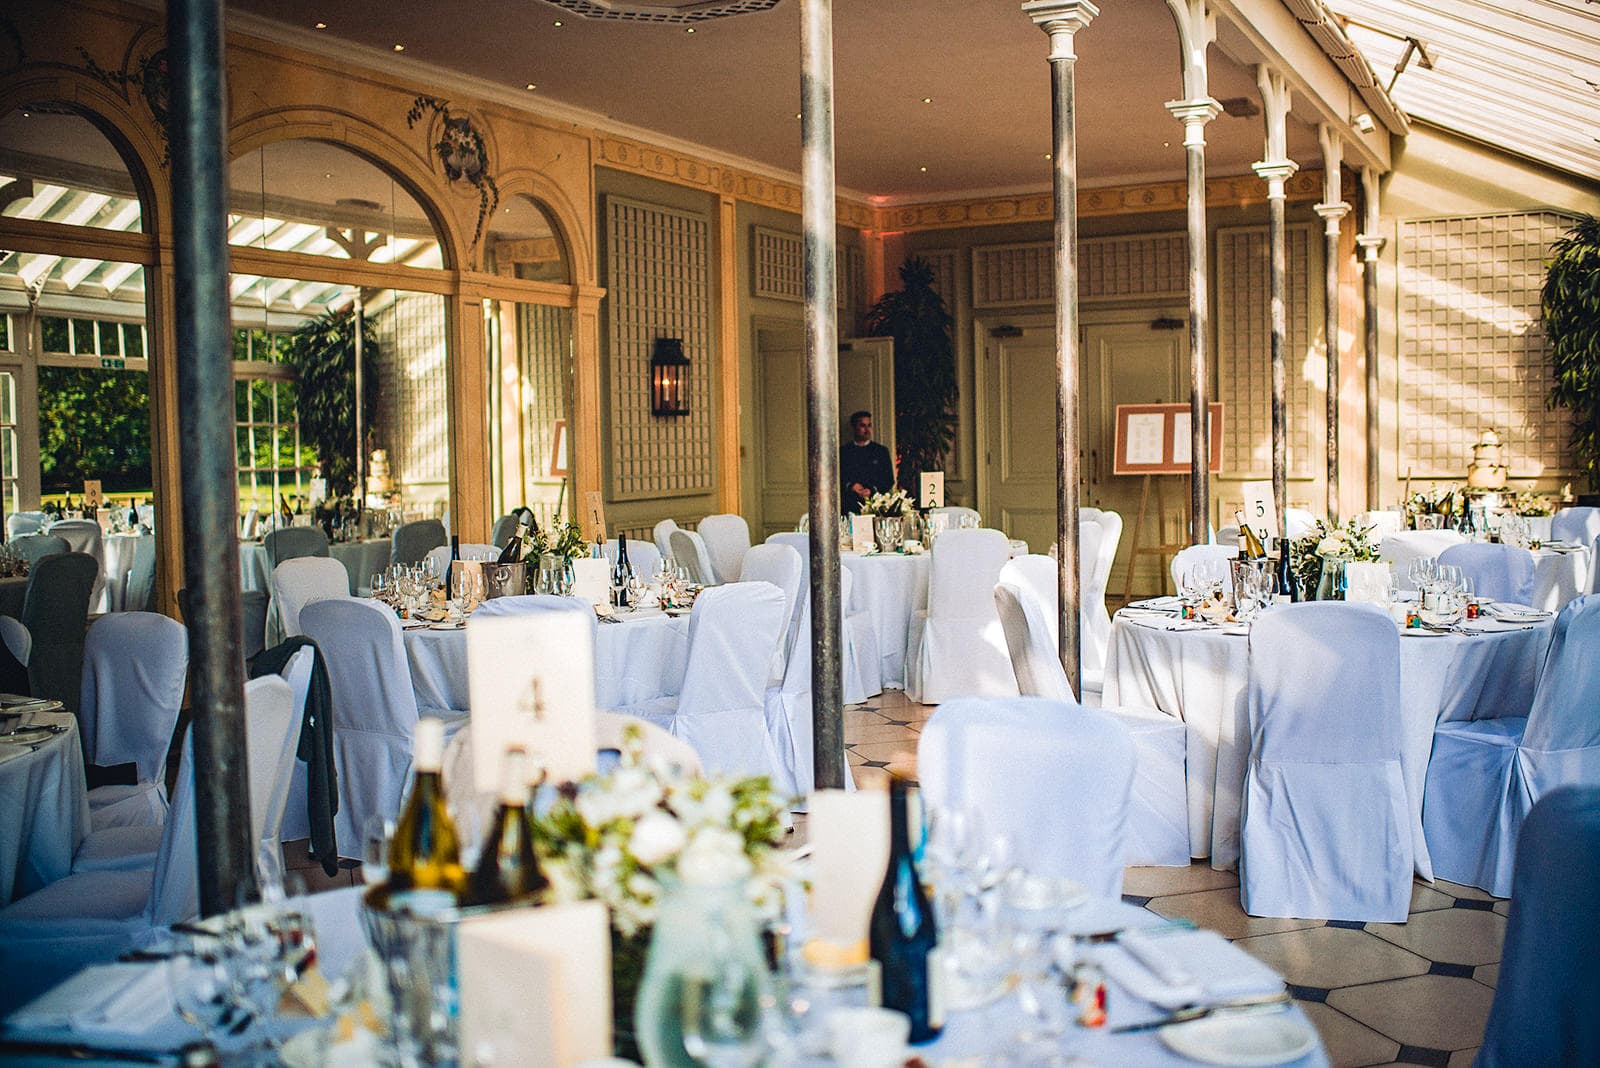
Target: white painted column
x=1332 y=210
x=1370 y=241
x=1276 y=169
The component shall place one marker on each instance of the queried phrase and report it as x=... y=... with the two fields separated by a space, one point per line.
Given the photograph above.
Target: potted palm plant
x=1570 y=303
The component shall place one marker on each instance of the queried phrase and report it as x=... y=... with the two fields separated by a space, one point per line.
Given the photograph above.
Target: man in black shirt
x=864 y=466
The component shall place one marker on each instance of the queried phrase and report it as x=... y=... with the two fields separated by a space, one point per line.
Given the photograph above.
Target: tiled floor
x=1412 y=993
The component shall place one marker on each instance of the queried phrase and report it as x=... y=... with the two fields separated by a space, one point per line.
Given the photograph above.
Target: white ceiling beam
x=44 y=198
x=115 y=276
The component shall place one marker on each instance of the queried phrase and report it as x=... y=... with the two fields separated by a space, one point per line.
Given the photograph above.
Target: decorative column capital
x=1275 y=173
x=1331 y=214
x=1194 y=114
x=1370 y=245
x=1060 y=19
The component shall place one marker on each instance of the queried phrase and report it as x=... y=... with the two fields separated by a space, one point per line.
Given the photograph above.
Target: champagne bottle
x=902 y=934
x=1253 y=548
x=425 y=873
x=508 y=869
x=622 y=573
x=1287 y=585
x=513 y=548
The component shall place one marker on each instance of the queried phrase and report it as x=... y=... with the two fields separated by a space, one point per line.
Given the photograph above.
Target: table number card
x=1260 y=510
x=91 y=494
x=861 y=537
x=930 y=492
x=849 y=833
x=591 y=579
x=535 y=986
x=530 y=679
x=594 y=515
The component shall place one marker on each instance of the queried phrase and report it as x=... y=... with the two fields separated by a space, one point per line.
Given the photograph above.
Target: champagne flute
x=376 y=831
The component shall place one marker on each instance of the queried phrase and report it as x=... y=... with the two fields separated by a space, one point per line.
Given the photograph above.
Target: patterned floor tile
x=1456 y=936
x=1332 y=957
x=1429 y=1011
x=1350 y=1044
x=1161 y=882
x=1219 y=910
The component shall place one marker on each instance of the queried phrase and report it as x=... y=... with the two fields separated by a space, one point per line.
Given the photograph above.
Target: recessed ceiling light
x=399 y=48
x=558 y=22
x=797 y=114
x=322 y=25
x=1048 y=156
x=689 y=30
x=531 y=87
x=327 y=175
x=927 y=100
x=1166 y=144
x=924 y=170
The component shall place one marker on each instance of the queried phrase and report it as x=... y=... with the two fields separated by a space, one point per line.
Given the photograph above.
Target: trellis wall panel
x=1109 y=268
x=779 y=274
x=1244 y=354
x=414 y=389
x=1472 y=354
x=658 y=268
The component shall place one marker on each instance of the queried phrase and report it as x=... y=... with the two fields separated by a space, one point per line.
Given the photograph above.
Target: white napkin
x=1186 y=968
x=1170 y=622
x=1511 y=613
x=1493 y=626
x=1158 y=604
x=106 y=999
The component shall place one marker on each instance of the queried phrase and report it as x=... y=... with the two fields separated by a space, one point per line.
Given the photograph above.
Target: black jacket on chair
x=316 y=746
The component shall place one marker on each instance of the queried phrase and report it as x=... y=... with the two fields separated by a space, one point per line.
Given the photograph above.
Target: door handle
x=1094 y=467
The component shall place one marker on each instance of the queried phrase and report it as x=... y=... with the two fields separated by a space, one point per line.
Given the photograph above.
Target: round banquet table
x=44 y=807
x=362 y=559
x=1200 y=674
x=636 y=660
x=1559 y=575
x=891 y=588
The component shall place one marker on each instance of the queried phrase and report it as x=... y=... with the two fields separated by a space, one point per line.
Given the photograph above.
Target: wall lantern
x=669 y=378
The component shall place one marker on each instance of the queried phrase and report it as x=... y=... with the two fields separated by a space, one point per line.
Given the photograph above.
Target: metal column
x=1061 y=19
x=822 y=385
x=1275 y=170
x=1332 y=210
x=1370 y=242
x=206 y=451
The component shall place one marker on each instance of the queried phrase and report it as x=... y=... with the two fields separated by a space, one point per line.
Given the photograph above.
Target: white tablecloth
x=1200 y=676
x=891 y=587
x=1558 y=577
x=641 y=658
x=120 y=550
x=361 y=558
x=44 y=809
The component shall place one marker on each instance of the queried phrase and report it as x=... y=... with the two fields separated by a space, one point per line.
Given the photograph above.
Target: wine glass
x=199 y=981
x=375 y=835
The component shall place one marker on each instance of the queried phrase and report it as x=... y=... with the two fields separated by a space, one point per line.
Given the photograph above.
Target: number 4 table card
x=536 y=986
x=531 y=682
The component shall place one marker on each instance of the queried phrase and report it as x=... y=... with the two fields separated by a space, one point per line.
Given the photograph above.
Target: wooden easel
x=1135 y=550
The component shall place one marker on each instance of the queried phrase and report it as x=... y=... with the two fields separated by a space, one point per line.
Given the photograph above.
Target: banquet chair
x=734 y=630
x=1576 y=525
x=956 y=513
x=1543 y=1014
x=955 y=648
x=789 y=713
x=1188 y=557
x=1158 y=820
x=19 y=524
x=504 y=529
x=34 y=547
x=55 y=610
x=660 y=747
x=301 y=581
x=16 y=646
x=291 y=543
x=250 y=524
x=643 y=557
x=93 y=916
x=374 y=709
x=131 y=848
x=1499 y=572
x=689 y=550
x=1062 y=804
x=141 y=587
x=780 y=565
x=1486 y=774
x=1037 y=575
x=84 y=536
x=411 y=541
x=1097 y=618
x=1398 y=550
x=1325 y=730
x=253 y=606
x=860 y=663
x=1381 y=522
x=727 y=539
x=661 y=535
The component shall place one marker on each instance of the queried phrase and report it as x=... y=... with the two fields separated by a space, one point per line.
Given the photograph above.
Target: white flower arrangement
x=616 y=837
x=1350 y=542
x=888 y=503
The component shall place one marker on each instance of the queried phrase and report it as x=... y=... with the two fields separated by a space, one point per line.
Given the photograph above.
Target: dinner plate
x=445 y=626
x=1422 y=632
x=1241 y=1039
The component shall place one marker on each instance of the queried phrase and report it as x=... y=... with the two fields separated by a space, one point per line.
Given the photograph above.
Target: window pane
x=94 y=423
x=110 y=342
x=54 y=333
x=523 y=242
x=241 y=400
x=5 y=332
x=83 y=337
x=48 y=148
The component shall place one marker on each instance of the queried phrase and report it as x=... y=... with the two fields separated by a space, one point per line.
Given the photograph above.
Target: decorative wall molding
x=1237 y=191
x=1122 y=267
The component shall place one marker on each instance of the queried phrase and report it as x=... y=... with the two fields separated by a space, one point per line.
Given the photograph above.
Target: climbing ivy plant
x=1571 y=307
x=924 y=370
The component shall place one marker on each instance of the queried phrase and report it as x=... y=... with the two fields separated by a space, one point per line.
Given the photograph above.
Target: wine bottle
x=508 y=869
x=512 y=552
x=1287 y=585
x=622 y=574
x=1253 y=549
x=425 y=873
x=902 y=934
x=450 y=568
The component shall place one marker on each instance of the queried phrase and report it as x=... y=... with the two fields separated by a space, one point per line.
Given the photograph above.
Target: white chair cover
x=250 y=523
x=33 y=546
x=1578 y=525
x=1382 y=523
x=1228 y=535
x=1190 y=555
x=1096 y=616
x=733 y=633
x=298 y=582
x=139 y=594
x=660 y=747
x=781 y=566
x=1158 y=823
x=84 y=536
x=502 y=531
x=1400 y=549
x=93 y=916
x=297 y=673
x=1037 y=575
x=1057 y=758
x=1325 y=830
x=727 y=539
x=1486 y=774
x=374 y=709
x=954 y=512
x=134 y=668
x=659 y=534
x=643 y=557
x=20 y=523
x=17 y=638
x=410 y=542
x=863 y=663
x=1297 y=522
x=689 y=550
x=956 y=648
x=439 y=556
x=1500 y=572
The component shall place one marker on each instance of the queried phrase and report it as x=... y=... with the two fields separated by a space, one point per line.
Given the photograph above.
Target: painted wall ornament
x=150 y=78
x=462 y=153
